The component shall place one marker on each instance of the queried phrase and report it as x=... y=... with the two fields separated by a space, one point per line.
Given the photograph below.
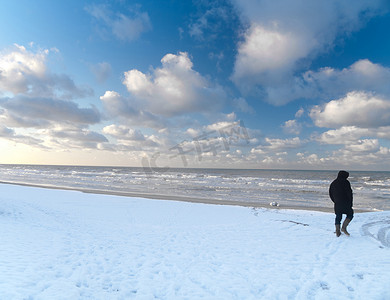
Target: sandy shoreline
x=183 y=198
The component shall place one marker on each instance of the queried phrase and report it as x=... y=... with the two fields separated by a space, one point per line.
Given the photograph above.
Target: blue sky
x=236 y=84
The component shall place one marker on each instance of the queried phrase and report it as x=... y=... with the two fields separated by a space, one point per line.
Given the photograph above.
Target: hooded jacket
x=340 y=193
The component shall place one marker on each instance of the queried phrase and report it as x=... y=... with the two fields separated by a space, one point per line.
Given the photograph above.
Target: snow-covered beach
x=61 y=244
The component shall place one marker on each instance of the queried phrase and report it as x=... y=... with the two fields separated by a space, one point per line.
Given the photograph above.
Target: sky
x=286 y=84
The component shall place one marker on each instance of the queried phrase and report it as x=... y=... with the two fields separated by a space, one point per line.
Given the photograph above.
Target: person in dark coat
x=340 y=193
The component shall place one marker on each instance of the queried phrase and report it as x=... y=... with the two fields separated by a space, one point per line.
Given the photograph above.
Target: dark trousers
x=339 y=216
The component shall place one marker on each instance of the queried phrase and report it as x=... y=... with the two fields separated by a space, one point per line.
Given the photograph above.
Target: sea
x=301 y=188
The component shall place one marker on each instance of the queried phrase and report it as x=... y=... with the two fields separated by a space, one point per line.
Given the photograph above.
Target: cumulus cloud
x=129 y=138
x=114 y=104
x=172 y=90
x=222 y=125
x=221 y=133
x=362 y=155
x=19 y=67
x=128 y=110
x=266 y=55
x=362 y=75
x=175 y=88
x=361 y=121
x=328 y=83
x=311 y=159
x=123 y=132
x=342 y=135
x=25 y=72
x=359 y=109
x=360 y=115
x=350 y=134
x=292 y=127
x=124 y=27
x=367 y=145
x=360 y=158
x=299 y=113
x=283 y=36
x=271 y=147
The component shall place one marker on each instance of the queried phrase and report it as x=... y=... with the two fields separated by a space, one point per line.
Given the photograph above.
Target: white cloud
x=299 y=113
x=115 y=104
x=19 y=67
x=360 y=159
x=221 y=125
x=284 y=35
x=123 y=27
x=292 y=127
x=193 y=132
x=362 y=75
x=350 y=134
x=367 y=145
x=266 y=54
x=242 y=105
x=174 y=89
x=343 y=135
x=25 y=72
x=278 y=145
x=123 y=132
x=328 y=83
x=219 y=136
x=131 y=139
x=359 y=109
x=129 y=111
x=313 y=159
x=258 y=151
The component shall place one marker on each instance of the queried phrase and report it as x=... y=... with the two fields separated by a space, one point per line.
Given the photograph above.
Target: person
x=340 y=193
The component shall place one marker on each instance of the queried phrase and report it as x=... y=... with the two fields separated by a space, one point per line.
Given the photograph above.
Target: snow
x=57 y=244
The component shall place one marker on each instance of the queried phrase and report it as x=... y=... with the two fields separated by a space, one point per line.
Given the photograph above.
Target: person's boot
x=345 y=224
x=338 y=232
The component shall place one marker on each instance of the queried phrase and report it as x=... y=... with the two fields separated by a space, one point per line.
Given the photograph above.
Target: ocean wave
x=308 y=187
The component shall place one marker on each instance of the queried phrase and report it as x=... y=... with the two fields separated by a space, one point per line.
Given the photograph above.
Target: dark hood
x=343 y=174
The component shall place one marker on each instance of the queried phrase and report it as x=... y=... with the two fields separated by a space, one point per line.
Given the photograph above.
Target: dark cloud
x=35 y=112
x=9 y=134
x=76 y=138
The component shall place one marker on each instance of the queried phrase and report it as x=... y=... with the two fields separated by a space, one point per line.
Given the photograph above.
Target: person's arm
x=331 y=193
x=350 y=193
